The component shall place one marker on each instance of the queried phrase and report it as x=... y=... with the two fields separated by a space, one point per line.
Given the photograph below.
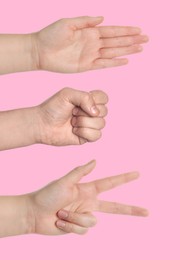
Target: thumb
x=82 y=99
x=86 y=21
x=78 y=173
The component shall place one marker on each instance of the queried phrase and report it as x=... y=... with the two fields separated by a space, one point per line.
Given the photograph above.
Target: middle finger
x=123 y=41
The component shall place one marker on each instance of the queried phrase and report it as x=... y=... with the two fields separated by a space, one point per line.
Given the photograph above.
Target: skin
x=70 y=117
x=70 y=46
x=64 y=206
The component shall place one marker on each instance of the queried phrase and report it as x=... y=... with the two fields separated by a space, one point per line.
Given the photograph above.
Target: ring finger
x=109 y=53
x=84 y=220
x=70 y=227
x=91 y=135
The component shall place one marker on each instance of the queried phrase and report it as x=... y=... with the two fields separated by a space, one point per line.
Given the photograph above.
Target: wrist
x=32 y=38
x=16 y=216
x=35 y=125
x=29 y=216
x=29 y=126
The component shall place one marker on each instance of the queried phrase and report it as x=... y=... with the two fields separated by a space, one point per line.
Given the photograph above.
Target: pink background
x=142 y=133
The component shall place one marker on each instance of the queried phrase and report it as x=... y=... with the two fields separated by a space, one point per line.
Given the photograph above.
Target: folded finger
x=91 y=135
x=83 y=220
x=70 y=227
x=118 y=208
x=123 y=41
x=109 y=53
x=103 y=111
x=88 y=122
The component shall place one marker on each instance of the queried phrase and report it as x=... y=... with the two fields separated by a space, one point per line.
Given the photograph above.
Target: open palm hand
x=77 y=45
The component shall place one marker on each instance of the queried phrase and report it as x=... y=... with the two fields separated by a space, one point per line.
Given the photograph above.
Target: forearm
x=18 y=128
x=17 y=53
x=15 y=218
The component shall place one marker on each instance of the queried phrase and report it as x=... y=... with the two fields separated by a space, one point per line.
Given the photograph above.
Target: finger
x=91 y=135
x=88 y=122
x=85 y=21
x=117 y=208
x=81 y=99
x=123 y=41
x=79 y=172
x=70 y=227
x=108 y=63
x=83 y=220
x=114 y=181
x=109 y=53
x=99 y=96
x=103 y=111
x=116 y=31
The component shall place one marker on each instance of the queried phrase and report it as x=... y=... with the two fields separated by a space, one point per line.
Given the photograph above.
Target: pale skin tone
x=70 y=46
x=64 y=206
x=70 y=117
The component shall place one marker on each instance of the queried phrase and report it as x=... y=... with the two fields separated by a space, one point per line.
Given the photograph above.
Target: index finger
x=116 y=31
x=118 y=208
x=114 y=181
x=99 y=96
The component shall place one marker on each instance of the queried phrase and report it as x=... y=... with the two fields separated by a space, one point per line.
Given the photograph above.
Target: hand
x=77 y=45
x=71 y=117
x=66 y=205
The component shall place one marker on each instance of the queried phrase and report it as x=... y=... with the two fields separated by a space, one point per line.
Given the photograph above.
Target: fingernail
x=94 y=110
x=61 y=223
x=62 y=214
x=145 y=213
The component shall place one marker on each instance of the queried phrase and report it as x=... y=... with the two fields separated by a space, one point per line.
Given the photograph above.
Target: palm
x=80 y=198
x=77 y=49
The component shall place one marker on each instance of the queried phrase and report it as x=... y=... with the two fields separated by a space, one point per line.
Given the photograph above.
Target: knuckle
x=129 y=41
x=66 y=90
x=71 y=217
x=98 y=135
x=80 y=121
x=105 y=111
x=103 y=122
x=115 y=208
x=104 y=96
x=87 y=97
x=77 y=169
x=84 y=131
x=64 y=20
x=69 y=227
